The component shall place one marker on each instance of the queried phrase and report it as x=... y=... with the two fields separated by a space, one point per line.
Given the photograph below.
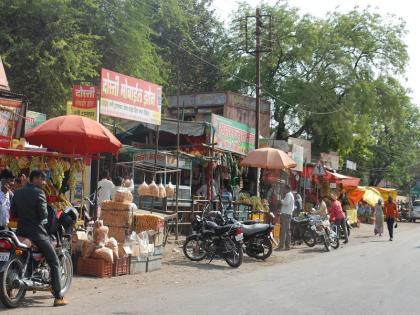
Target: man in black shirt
x=29 y=205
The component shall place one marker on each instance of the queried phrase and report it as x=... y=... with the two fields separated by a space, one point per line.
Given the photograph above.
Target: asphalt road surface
x=374 y=277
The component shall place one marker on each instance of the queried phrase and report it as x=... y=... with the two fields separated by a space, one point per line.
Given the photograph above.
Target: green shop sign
x=232 y=136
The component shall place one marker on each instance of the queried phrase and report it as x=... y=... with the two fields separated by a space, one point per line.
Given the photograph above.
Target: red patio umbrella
x=74 y=134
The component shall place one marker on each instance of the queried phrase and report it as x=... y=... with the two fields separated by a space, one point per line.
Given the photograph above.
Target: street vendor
x=338 y=216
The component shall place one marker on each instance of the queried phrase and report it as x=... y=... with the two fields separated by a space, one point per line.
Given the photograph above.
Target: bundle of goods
x=153 y=190
x=143 y=189
x=123 y=195
x=100 y=254
x=118 y=216
x=162 y=191
x=170 y=190
x=146 y=222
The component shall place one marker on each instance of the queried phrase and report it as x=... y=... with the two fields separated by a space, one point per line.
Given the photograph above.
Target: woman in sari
x=379 y=218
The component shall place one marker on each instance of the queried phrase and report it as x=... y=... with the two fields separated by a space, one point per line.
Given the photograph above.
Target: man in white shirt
x=5 y=198
x=105 y=188
x=287 y=207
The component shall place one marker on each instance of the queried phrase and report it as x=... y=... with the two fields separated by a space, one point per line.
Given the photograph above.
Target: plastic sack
x=104 y=253
x=100 y=233
x=162 y=191
x=153 y=190
x=112 y=244
x=143 y=239
x=170 y=190
x=87 y=249
x=143 y=189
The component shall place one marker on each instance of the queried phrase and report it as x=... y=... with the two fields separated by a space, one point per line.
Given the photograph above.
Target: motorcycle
x=404 y=214
x=300 y=231
x=322 y=233
x=210 y=240
x=24 y=268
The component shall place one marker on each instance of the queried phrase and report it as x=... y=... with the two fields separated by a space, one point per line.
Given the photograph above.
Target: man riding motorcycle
x=29 y=205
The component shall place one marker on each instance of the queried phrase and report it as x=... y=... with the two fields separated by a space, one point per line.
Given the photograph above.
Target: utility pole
x=259 y=27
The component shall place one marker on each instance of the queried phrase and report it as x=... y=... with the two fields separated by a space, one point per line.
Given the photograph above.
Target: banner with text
x=130 y=98
x=84 y=101
x=232 y=136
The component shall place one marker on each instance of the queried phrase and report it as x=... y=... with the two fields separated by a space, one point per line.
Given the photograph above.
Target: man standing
x=29 y=205
x=5 y=197
x=105 y=188
x=391 y=215
x=338 y=216
x=287 y=207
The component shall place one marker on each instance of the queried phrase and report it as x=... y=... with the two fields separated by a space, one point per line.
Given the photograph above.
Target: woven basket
x=115 y=206
x=116 y=218
x=118 y=233
x=146 y=222
x=94 y=267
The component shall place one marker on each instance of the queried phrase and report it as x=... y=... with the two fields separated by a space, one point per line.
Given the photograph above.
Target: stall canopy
x=346 y=181
x=74 y=134
x=368 y=194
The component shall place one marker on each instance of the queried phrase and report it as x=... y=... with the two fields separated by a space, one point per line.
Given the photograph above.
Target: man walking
x=391 y=215
x=29 y=205
x=287 y=207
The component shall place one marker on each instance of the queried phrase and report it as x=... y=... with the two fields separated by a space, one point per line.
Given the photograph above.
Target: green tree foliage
x=331 y=80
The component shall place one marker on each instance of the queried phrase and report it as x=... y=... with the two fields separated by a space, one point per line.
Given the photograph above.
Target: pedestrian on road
x=391 y=215
x=379 y=218
x=287 y=207
x=338 y=216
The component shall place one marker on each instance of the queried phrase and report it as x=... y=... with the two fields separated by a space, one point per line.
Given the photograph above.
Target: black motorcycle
x=210 y=240
x=24 y=268
x=300 y=231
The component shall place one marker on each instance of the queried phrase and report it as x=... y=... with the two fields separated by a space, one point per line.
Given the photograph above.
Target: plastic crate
x=121 y=267
x=94 y=267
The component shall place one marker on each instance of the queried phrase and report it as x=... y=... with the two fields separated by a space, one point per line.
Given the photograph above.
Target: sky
x=407 y=9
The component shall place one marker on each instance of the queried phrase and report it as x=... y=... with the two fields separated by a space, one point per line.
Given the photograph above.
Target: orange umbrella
x=268 y=158
x=74 y=134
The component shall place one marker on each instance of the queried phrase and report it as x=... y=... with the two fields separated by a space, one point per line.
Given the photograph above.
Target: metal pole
x=177 y=153
x=257 y=90
x=212 y=168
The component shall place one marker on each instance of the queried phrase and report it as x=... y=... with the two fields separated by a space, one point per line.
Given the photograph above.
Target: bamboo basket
x=116 y=218
x=119 y=233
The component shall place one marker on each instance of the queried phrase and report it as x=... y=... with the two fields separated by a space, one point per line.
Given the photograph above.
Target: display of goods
x=14 y=167
x=72 y=181
x=153 y=190
x=112 y=244
x=146 y=222
x=143 y=189
x=115 y=206
x=100 y=233
x=4 y=160
x=123 y=195
x=121 y=267
x=57 y=172
x=244 y=199
x=118 y=233
x=104 y=253
x=116 y=218
x=87 y=249
x=170 y=190
x=80 y=166
x=35 y=163
x=94 y=267
x=162 y=191
x=66 y=165
x=52 y=163
x=23 y=162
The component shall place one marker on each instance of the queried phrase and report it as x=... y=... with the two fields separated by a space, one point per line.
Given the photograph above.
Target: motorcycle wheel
x=235 y=256
x=66 y=266
x=309 y=238
x=9 y=296
x=327 y=244
x=334 y=242
x=265 y=244
x=194 y=248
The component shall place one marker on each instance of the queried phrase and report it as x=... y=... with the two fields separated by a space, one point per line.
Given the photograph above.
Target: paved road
x=374 y=277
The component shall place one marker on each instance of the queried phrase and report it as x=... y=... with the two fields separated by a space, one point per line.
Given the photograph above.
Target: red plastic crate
x=94 y=267
x=121 y=267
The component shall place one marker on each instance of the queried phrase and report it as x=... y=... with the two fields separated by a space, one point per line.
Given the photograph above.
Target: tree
x=44 y=51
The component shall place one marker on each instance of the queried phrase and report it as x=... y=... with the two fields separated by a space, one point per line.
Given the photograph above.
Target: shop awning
x=346 y=181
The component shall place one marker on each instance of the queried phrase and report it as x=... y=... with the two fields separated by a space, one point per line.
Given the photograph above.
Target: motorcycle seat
x=255 y=228
x=29 y=244
x=218 y=229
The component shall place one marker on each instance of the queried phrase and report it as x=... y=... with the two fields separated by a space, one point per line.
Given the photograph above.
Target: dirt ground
x=177 y=271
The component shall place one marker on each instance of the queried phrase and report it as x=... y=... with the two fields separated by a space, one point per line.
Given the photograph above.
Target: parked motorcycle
x=340 y=229
x=300 y=231
x=210 y=240
x=404 y=214
x=322 y=233
x=24 y=268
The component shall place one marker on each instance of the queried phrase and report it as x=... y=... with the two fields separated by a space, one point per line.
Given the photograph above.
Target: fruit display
x=14 y=167
x=57 y=172
x=23 y=162
x=72 y=179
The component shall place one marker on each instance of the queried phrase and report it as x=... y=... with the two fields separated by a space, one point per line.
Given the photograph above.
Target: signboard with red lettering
x=84 y=101
x=130 y=98
x=232 y=136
